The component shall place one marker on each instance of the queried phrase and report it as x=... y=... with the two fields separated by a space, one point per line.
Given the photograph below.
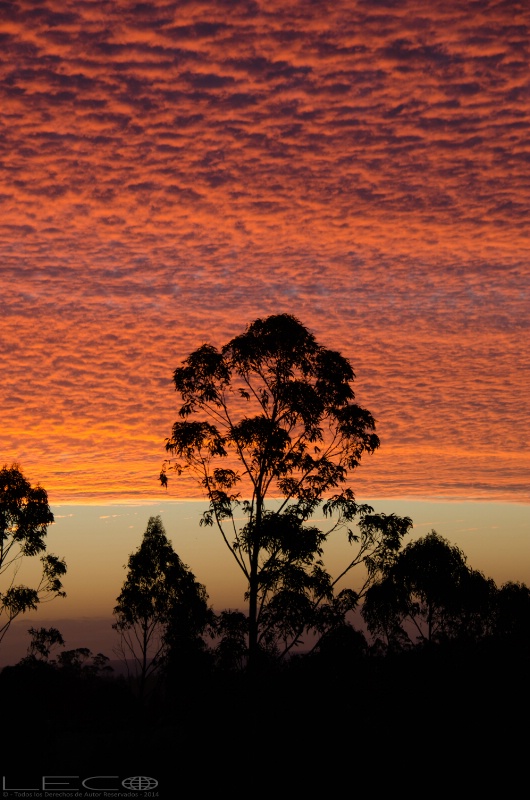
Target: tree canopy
x=24 y=519
x=160 y=606
x=270 y=429
x=428 y=593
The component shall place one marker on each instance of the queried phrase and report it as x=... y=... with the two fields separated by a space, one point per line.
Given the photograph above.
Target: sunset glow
x=173 y=170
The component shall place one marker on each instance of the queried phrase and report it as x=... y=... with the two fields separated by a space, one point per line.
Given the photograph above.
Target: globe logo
x=139 y=783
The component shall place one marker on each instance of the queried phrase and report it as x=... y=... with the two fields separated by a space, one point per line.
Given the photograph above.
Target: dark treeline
x=426 y=660
x=444 y=665
x=441 y=667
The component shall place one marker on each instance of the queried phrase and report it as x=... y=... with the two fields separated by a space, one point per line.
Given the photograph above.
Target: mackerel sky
x=169 y=171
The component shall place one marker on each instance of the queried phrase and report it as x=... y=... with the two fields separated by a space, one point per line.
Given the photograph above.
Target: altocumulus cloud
x=172 y=170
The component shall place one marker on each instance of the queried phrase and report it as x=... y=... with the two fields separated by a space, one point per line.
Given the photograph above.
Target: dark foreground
x=455 y=716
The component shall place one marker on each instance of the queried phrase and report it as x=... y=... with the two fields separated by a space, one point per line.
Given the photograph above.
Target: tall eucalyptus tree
x=269 y=428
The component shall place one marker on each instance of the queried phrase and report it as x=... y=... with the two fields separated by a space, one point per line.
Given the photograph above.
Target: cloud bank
x=171 y=171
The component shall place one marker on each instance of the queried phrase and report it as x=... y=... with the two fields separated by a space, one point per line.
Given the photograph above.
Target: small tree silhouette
x=43 y=641
x=159 y=603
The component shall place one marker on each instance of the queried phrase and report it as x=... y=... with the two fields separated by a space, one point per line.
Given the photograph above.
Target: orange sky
x=172 y=170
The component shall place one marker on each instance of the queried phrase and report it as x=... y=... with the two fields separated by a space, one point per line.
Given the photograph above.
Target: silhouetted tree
x=512 y=615
x=161 y=605
x=83 y=663
x=427 y=593
x=472 y=615
x=43 y=640
x=24 y=519
x=79 y=661
x=231 y=651
x=273 y=411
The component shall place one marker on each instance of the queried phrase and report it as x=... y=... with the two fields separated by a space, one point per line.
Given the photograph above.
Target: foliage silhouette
x=512 y=616
x=79 y=661
x=427 y=593
x=43 y=640
x=24 y=519
x=271 y=416
x=231 y=649
x=161 y=606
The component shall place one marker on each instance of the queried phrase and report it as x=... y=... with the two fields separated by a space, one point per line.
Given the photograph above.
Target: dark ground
x=450 y=718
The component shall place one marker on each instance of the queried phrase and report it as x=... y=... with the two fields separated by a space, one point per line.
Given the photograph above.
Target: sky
x=170 y=171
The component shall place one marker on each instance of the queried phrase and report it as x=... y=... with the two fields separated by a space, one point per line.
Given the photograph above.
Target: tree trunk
x=253 y=631
x=253 y=619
